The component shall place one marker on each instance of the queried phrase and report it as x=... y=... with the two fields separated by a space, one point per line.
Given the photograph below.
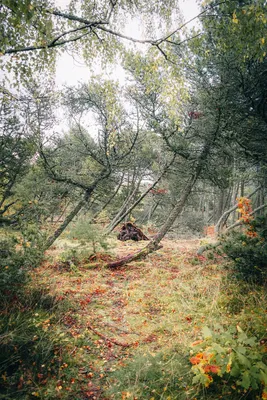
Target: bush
x=230 y=363
x=248 y=250
x=12 y=272
x=86 y=233
x=17 y=256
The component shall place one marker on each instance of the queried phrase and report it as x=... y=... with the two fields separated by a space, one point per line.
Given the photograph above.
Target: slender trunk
x=242 y=188
x=220 y=204
x=154 y=243
x=67 y=220
x=126 y=212
x=240 y=221
x=225 y=215
x=109 y=200
x=121 y=214
x=235 y=195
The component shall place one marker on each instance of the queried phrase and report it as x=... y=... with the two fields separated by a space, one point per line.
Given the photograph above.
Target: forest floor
x=115 y=324
x=96 y=333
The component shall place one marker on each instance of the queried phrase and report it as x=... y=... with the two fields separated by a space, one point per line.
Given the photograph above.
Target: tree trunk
x=67 y=220
x=240 y=221
x=154 y=243
x=123 y=210
x=220 y=223
x=122 y=216
x=109 y=200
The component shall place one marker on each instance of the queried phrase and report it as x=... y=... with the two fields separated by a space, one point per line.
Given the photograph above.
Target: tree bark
x=67 y=220
x=153 y=245
x=202 y=249
x=122 y=212
x=122 y=216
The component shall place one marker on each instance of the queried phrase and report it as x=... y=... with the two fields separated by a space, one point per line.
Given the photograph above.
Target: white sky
x=70 y=71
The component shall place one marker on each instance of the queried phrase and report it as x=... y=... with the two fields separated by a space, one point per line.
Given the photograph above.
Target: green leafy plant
x=226 y=359
x=18 y=254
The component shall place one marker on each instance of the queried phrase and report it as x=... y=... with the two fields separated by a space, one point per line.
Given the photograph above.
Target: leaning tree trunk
x=154 y=243
x=123 y=211
x=108 y=201
x=123 y=215
x=225 y=215
x=67 y=220
x=241 y=222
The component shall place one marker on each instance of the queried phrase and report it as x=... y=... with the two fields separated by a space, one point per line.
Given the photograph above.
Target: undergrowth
x=132 y=333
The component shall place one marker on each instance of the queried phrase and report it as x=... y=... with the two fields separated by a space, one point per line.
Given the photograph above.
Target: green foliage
x=12 y=271
x=153 y=376
x=17 y=256
x=33 y=31
x=229 y=362
x=87 y=233
x=249 y=253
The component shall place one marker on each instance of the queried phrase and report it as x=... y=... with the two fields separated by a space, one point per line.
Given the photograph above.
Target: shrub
x=230 y=363
x=248 y=250
x=85 y=233
x=17 y=256
x=12 y=272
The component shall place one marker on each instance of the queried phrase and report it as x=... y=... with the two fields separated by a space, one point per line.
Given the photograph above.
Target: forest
x=133 y=225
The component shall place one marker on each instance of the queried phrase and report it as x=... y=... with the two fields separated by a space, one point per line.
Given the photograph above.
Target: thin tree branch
x=240 y=221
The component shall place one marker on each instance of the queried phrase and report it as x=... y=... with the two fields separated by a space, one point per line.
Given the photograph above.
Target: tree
x=32 y=31
x=86 y=161
x=17 y=148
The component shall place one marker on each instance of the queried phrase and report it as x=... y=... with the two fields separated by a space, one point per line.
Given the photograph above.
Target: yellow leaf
x=235 y=20
x=262 y=40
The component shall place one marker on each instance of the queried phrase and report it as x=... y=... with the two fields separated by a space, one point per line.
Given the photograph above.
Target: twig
x=121 y=330
x=112 y=340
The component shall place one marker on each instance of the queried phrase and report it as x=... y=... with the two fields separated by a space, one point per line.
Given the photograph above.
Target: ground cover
x=127 y=333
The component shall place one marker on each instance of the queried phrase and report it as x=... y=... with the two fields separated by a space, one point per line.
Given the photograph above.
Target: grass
x=124 y=333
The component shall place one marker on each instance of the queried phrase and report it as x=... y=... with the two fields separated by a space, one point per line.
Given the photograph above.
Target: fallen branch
x=120 y=329
x=202 y=249
x=135 y=256
x=114 y=341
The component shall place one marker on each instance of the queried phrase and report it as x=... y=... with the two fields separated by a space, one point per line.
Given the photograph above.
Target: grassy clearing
x=126 y=333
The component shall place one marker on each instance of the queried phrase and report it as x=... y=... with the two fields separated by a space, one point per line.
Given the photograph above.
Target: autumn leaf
x=235 y=20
